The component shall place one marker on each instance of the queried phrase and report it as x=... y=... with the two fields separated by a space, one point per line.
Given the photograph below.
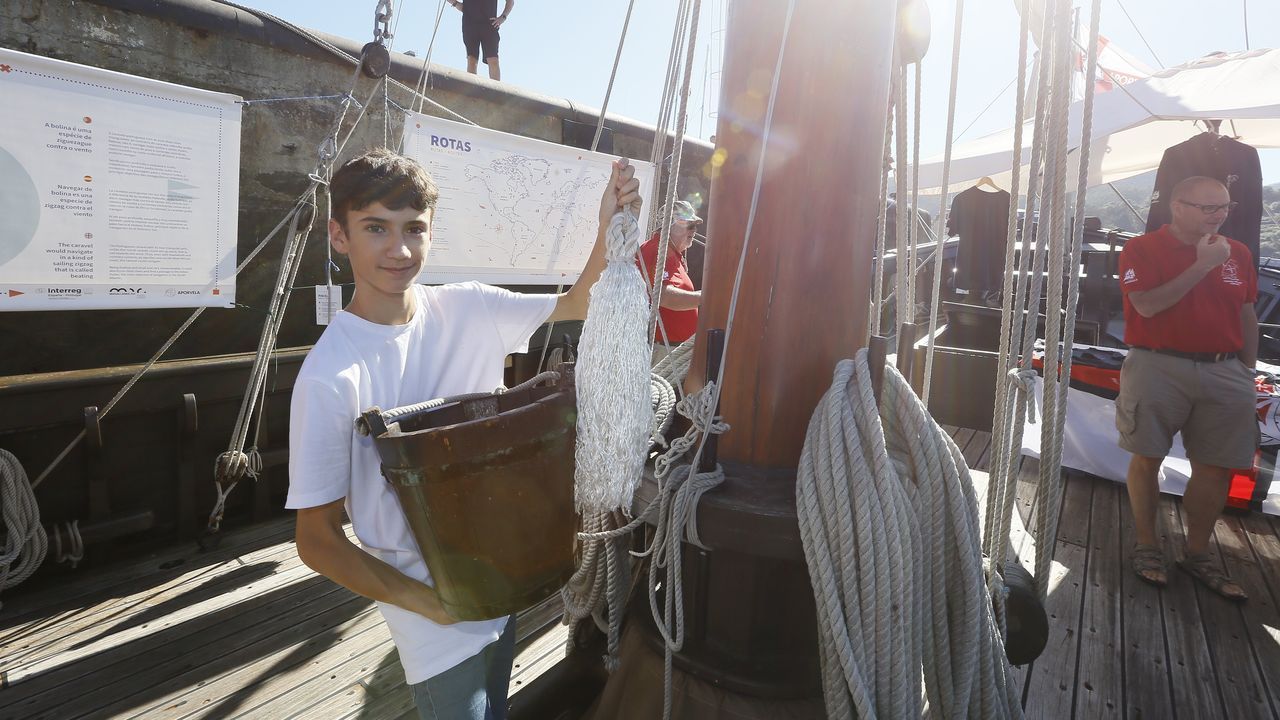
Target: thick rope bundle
x=615 y=419
x=889 y=523
x=25 y=541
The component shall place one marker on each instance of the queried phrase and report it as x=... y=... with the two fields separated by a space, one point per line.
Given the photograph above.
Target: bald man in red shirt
x=1189 y=297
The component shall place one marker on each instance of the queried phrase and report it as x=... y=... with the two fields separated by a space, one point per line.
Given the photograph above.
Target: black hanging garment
x=1225 y=159
x=980 y=219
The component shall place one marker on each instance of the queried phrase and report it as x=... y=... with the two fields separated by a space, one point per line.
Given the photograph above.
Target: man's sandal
x=1204 y=569
x=1147 y=560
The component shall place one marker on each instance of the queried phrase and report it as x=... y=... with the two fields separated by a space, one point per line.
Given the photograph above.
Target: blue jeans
x=474 y=689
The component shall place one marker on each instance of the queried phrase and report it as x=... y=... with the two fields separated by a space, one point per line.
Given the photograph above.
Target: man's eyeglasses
x=1211 y=209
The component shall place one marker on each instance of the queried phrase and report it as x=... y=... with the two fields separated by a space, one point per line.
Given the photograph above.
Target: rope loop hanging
x=889 y=523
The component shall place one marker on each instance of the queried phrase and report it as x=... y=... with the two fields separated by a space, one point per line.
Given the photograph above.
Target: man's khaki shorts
x=1212 y=404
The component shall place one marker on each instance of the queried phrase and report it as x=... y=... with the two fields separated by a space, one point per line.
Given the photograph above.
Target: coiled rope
x=889 y=523
x=25 y=541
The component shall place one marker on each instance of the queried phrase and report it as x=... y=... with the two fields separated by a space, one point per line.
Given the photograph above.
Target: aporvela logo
x=126 y=291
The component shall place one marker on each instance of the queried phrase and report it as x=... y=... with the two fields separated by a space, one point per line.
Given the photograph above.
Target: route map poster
x=115 y=191
x=512 y=210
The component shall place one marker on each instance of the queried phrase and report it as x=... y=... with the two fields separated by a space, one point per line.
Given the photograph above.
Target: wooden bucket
x=486 y=483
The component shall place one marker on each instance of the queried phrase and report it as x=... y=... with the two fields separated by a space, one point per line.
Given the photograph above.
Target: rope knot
x=1024 y=379
x=622 y=237
x=232 y=466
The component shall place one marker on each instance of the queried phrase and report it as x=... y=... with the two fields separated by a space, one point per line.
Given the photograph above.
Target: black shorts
x=476 y=35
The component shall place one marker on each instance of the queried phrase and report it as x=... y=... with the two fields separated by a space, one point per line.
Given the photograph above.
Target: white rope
x=882 y=249
x=1010 y=407
x=913 y=225
x=615 y=418
x=235 y=463
x=675 y=366
x=902 y=273
x=693 y=12
x=1057 y=360
x=74 y=552
x=420 y=87
x=25 y=541
x=940 y=227
x=888 y=519
x=1049 y=489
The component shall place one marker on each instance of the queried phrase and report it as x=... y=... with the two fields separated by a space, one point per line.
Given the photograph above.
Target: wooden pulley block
x=914 y=29
x=1027 y=621
x=375 y=60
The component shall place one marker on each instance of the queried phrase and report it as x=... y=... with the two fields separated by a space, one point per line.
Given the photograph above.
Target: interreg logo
x=64 y=292
x=450 y=143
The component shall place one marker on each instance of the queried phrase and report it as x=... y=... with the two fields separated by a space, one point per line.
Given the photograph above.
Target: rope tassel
x=615 y=417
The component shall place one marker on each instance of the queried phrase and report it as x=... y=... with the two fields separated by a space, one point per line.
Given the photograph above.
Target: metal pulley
x=375 y=59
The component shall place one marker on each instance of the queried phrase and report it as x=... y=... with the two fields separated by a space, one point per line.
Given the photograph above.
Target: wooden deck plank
x=289 y=694
x=1195 y=688
x=114 y=603
x=1260 y=615
x=1099 y=689
x=168 y=651
x=1026 y=480
x=148 y=618
x=230 y=679
x=118 y=580
x=379 y=694
x=1239 y=682
x=1050 y=688
x=1264 y=539
x=1147 y=690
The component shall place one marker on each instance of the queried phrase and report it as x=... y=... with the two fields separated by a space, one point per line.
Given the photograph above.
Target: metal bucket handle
x=378 y=422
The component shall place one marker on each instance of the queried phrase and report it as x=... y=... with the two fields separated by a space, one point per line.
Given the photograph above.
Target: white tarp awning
x=1134 y=123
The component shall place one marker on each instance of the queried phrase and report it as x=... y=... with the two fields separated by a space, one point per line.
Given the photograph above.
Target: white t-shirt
x=456 y=343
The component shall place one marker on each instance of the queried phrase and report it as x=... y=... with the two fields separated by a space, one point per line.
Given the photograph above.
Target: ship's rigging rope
x=599 y=587
x=236 y=463
x=595 y=145
x=889 y=523
x=1052 y=249
x=940 y=226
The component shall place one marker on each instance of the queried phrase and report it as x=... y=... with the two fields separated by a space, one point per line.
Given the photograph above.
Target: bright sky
x=565 y=48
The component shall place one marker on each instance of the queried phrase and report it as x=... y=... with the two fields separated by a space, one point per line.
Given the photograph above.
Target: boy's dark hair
x=381 y=176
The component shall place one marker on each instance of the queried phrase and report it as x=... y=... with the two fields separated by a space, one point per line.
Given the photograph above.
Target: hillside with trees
x=1104 y=203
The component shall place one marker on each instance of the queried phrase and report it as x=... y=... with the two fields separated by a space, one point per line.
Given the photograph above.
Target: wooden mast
x=805 y=290
x=751 y=624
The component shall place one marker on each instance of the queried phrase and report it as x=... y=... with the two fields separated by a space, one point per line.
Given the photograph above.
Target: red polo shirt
x=1207 y=318
x=680 y=324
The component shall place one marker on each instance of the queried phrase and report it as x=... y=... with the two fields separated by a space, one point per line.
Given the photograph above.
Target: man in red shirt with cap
x=678 y=308
x=1193 y=334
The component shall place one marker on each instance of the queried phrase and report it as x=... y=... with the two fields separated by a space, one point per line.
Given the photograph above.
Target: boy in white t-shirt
x=395 y=344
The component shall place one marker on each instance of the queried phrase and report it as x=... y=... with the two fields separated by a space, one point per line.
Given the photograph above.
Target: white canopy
x=1134 y=123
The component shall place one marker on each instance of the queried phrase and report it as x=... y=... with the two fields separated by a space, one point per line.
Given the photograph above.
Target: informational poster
x=512 y=210
x=115 y=191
